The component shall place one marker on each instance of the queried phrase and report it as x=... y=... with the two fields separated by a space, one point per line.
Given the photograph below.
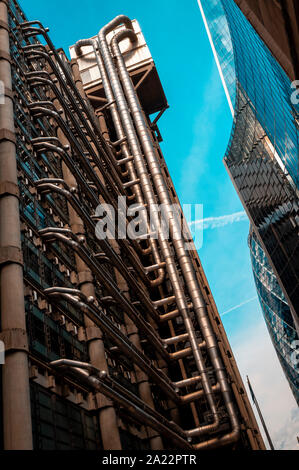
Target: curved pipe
x=132 y=404
x=48 y=185
x=148 y=191
x=122 y=141
x=44 y=32
x=39 y=142
x=61 y=235
x=183 y=256
x=225 y=440
x=107 y=281
x=124 y=344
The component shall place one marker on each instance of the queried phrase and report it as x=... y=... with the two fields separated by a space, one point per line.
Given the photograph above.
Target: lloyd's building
x=109 y=343
x=262 y=161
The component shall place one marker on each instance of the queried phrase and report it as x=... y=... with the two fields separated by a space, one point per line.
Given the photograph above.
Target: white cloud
x=221 y=221
x=256 y=357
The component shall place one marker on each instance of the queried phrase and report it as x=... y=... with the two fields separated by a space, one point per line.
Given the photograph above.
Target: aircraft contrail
x=237 y=306
x=221 y=221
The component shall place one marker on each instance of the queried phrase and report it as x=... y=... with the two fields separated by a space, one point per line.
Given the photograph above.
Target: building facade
x=277 y=313
x=277 y=23
x=110 y=342
x=262 y=161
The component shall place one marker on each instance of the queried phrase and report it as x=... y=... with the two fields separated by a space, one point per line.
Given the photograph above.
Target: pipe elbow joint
x=83 y=42
x=124 y=34
x=117 y=21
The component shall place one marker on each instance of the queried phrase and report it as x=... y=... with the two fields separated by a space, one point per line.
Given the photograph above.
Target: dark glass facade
x=277 y=313
x=262 y=158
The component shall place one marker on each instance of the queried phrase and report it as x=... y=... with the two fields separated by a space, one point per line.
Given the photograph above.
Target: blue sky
x=196 y=130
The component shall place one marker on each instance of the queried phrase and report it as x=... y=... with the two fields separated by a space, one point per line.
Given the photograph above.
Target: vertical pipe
x=143 y=384
x=150 y=196
x=16 y=393
x=175 y=231
x=124 y=146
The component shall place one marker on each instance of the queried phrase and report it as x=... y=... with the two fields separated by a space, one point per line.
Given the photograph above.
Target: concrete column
x=17 y=426
x=144 y=388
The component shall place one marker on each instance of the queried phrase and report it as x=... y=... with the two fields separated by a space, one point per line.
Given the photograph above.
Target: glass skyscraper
x=262 y=161
x=276 y=312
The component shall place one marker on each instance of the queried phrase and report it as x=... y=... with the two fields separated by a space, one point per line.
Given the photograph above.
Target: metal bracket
x=8 y=93
x=9 y=188
x=92 y=333
x=84 y=277
x=11 y=254
x=4 y=25
x=14 y=339
x=103 y=401
x=6 y=134
x=5 y=55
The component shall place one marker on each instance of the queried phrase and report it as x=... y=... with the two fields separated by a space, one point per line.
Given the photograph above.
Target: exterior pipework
x=59 y=234
x=123 y=145
x=94 y=299
x=178 y=242
x=120 y=340
x=144 y=387
x=107 y=416
x=151 y=201
x=107 y=281
x=44 y=111
x=133 y=405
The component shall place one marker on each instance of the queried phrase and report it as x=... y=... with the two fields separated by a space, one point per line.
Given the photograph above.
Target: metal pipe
x=107 y=281
x=176 y=339
x=147 y=186
x=118 y=337
x=186 y=382
x=122 y=141
x=197 y=395
x=96 y=349
x=162 y=191
x=132 y=404
x=185 y=352
x=17 y=426
x=78 y=207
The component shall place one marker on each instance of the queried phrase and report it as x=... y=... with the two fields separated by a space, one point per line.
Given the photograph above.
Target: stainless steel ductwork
x=148 y=190
x=164 y=198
